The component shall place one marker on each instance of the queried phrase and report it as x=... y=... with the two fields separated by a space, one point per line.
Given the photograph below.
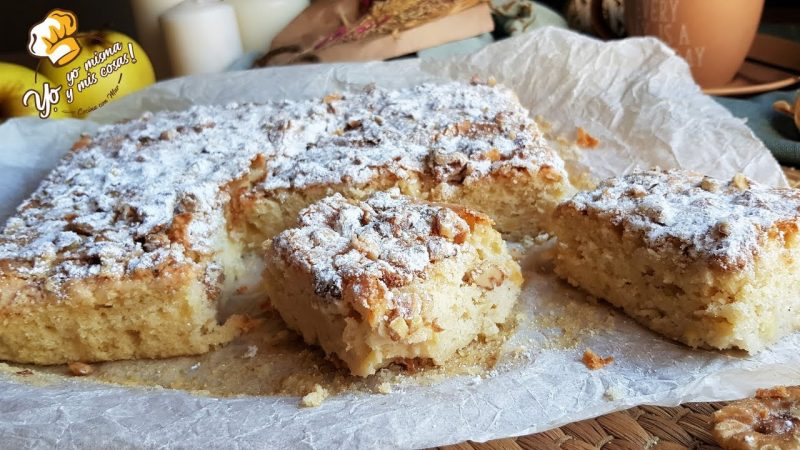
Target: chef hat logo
x=52 y=38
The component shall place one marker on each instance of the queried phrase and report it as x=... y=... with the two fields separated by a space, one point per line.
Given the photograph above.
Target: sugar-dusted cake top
x=389 y=239
x=153 y=190
x=725 y=222
x=454 y=132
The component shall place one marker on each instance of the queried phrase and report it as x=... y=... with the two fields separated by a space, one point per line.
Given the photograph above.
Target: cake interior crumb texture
x=391 y=280
x=707 y=262
x=142 y=234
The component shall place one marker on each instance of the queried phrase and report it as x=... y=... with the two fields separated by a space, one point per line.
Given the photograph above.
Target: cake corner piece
x=391 y=279
x=710 y=263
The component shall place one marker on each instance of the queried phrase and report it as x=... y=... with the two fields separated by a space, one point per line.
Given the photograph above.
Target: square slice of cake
x=710 y=263
x=391 y=279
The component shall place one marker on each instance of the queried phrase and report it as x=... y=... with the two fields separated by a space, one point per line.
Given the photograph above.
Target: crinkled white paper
x=635 y=95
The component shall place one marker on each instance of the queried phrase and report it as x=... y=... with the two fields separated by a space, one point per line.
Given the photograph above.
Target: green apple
x=15 y=82
x=109 y=66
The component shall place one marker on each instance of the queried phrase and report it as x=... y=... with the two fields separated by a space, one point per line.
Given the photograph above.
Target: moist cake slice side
x=710 y=263
x=391 y=279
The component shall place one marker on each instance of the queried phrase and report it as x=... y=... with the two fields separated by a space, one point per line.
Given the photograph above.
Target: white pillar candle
x=261 y=20
x=201 y=36
x=148 y=31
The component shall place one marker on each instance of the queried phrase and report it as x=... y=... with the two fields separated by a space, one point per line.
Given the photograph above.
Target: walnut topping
x=637 y=192
x=448 y=225
x=388 y=238
x=723 y=228
x=709 y=184
x=696 y=216
x=125 y=196
x=168 y=135
x=775 y=392
x=80 y=369
x=740 y=182
x=332 y=97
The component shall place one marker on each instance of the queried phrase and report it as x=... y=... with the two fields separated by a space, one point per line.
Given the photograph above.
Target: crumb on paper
x=315 y=397
x=385 y=388
x=586 y=140
x=613 y=393
x=24 y=373
x=332 y=97
x=251 y=352
x=80 y=369
x=594 y=361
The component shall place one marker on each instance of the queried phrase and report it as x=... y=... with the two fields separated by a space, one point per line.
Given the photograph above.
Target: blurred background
x=17 y=16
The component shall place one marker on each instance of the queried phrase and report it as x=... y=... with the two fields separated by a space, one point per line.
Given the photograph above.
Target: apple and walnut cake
x=131 y=245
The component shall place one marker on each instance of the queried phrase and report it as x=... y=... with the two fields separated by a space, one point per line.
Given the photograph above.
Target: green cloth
x=776 y=130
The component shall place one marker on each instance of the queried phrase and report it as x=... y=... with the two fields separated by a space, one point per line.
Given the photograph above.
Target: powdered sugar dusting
x=388 y=238
x=108 y=209
x=725 y=222
x=456 y=133
x=151 y=191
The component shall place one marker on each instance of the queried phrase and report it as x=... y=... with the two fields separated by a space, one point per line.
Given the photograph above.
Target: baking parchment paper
x=636 y=96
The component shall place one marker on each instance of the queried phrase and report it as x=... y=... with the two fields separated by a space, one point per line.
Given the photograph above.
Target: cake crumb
x=385 y=388
x=251 y=352
x=594 y=361
x=613 y=393
x=315 y=397
x=586 y=140
x=80 y=369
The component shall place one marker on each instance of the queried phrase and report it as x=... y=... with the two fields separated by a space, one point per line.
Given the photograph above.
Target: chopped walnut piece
x=168 y=135
x=594 y=361
x=332 y=97
x=447 y=225
x=740 y=182
x=586 y=140
x=771 y=420
x=637 y=192
x=776 y=392
x=723 y=228
x=486 y=277
x=709 y=184
x=80 y=369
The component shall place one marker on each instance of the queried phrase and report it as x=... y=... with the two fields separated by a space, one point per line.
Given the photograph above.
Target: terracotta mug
x=713 y=36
